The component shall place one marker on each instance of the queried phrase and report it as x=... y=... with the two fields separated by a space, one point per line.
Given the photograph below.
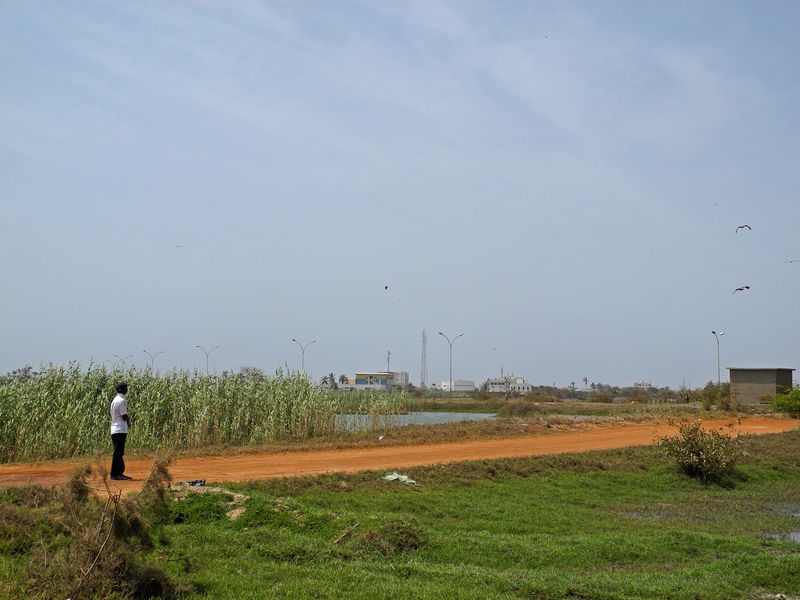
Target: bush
x=520 y=408
x=788 y=403
x=708 y=455
x=604 y=397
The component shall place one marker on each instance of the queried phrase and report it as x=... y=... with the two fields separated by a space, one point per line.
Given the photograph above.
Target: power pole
x=388 y=355
x=423 y=376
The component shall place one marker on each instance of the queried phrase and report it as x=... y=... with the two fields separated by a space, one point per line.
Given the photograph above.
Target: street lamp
x=718 y=335
x=152 y=357
x=122 y=360
x=303 y=354
x=207 y=353
x=450 y=343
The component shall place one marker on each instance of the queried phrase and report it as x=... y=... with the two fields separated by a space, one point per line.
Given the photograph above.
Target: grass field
x=621 y=524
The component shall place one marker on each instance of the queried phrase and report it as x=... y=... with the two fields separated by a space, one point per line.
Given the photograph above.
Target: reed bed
x=63 y=410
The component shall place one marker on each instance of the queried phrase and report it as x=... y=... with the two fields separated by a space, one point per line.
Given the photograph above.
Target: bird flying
x=386 y=287
x=743 y=227
x=792 y=261
x=741 y=289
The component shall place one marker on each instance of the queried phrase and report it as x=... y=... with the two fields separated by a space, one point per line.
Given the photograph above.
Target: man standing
x=119 y=431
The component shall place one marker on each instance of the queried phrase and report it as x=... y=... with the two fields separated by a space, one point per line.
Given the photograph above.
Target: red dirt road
x=291 y=464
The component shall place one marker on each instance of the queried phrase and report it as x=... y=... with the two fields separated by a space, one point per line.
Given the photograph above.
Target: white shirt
x=118 y=408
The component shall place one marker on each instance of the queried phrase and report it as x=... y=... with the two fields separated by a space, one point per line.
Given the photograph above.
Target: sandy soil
x=255 y=467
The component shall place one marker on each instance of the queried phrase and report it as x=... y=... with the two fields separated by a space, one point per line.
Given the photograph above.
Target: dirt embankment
x=292 y=464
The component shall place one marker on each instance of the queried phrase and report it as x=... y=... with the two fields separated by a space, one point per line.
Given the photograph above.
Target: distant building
x=756 y=386
x=459 y=385
x=508 y=383
x=378 y=380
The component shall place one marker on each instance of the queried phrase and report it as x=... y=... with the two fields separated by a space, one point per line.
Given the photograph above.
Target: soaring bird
x=743 y=227
x=792 y=261
x=741 y=289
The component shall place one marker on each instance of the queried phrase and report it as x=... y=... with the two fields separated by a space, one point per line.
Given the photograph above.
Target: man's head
x=121 y=387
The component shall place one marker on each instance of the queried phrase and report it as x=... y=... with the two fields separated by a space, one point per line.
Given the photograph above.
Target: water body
x=792 y=536
x=350 y=422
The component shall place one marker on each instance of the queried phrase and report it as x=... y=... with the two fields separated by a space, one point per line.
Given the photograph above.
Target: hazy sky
x=560 y=181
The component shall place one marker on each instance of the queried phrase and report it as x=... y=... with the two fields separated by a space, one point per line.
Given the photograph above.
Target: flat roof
x=760 y=369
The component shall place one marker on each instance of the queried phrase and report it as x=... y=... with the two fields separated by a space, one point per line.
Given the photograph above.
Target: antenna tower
x=423 y=376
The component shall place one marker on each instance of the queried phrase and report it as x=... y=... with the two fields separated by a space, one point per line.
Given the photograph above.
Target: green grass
x=621 y=524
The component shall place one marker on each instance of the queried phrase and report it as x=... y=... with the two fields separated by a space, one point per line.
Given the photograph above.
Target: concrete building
x=508 y=383
x=756 y=386
x=459 y=385
x=378 y=380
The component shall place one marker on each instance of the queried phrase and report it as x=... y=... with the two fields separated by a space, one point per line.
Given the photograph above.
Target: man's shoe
x=126 y=477
x=117 y=477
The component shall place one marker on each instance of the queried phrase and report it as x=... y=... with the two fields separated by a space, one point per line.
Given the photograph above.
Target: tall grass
x=64 y=410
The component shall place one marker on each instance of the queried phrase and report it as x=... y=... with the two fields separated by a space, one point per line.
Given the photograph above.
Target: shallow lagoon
x=352 y=422
x=355 y=422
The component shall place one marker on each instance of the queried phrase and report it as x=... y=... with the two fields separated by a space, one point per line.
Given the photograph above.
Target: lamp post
x=152 y=357
x=207 y=353
x=450 y=343
x=718 y=335
x=303 y=354
x=122 y=360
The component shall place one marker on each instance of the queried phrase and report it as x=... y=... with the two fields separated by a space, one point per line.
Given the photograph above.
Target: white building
x=459 y=385
x=509 y=383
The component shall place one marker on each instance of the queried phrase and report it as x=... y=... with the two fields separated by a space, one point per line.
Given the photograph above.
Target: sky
x=562 y=182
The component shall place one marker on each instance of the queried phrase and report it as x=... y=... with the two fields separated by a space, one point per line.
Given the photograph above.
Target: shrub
x=788 y=403
x=708 y=455
x=520 y=408
x=601 y=397
x=538 y=396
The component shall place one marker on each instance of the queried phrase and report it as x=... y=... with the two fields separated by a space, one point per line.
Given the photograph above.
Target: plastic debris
x=395 y=476
x=200 y=482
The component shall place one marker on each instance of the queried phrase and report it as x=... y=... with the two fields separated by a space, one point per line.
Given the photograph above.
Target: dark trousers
x=117 y=464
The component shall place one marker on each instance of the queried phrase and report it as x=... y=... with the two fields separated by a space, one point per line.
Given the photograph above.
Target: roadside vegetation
x=788 y=403
x=614 y=525
x=710 y=455
x=62 y=412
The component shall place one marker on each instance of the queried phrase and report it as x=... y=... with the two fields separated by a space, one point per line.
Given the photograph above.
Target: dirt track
x=255 y=467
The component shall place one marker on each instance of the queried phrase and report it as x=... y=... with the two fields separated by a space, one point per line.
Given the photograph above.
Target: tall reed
x=64 y=411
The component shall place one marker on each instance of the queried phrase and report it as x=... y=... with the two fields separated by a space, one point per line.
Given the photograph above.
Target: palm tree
x=343 y=380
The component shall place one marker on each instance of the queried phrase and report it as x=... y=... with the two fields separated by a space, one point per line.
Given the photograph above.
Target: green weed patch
x=613 y=525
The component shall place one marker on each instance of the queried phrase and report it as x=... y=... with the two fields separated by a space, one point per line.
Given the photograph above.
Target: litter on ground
x=395 y=476
x=236 y=505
